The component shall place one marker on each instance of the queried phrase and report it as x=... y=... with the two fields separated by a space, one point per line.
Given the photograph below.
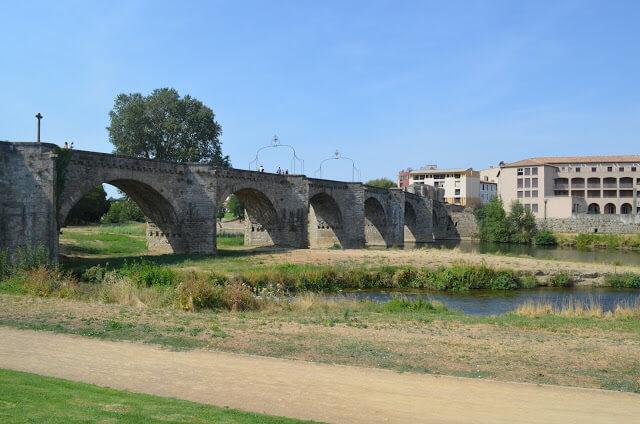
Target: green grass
x=230 y=240
x=31 y=398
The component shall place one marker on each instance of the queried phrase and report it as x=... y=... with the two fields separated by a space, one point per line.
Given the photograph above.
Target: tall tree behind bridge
x=381 y=182
x=164 y=126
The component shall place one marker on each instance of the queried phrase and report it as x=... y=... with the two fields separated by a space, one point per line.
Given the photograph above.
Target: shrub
x=560 y=279
x=196 y=293
x=626 y=280
x=42 y=281
x=545 y=238
x=95 y=274
x=30 y=257
x=505 y=281
x=147 y=273
x=528 y=281
x=335 y=246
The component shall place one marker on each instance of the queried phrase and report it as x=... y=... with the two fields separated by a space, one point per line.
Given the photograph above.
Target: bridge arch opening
x=261 y=222
x=326 y=226
x=410 y=222
x=375 y=223
x=163 y=232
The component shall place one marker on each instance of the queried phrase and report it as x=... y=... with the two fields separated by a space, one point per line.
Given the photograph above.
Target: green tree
x=495 y=225
x=123 y=210
x=382 y=183
x=235 y=207
x=165 y=126
x=90 y=208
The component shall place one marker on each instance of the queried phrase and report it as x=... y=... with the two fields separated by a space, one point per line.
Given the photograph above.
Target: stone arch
x=325 y=225
x=164 y=232
x=610 y=209
x=375 y=223
x=410 y=222
x=626 y=209
x=261 y=217
x=593 y=208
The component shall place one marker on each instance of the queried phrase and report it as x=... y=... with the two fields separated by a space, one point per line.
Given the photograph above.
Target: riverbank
x=581 y=350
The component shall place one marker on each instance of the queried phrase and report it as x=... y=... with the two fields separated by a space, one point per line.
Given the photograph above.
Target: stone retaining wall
x=584 y=223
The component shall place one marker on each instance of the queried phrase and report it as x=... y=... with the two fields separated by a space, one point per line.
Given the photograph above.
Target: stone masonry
x=180 y=201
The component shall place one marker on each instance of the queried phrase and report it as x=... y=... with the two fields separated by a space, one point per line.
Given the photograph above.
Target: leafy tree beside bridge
x=165 y=126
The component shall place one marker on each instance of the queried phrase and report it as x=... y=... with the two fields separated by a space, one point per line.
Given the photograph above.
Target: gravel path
x=297 y=389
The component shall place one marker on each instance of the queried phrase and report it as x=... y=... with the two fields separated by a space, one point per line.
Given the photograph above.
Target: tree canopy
x=90 y=208
x=165 y=126
x=495 y=225
x=381 y=182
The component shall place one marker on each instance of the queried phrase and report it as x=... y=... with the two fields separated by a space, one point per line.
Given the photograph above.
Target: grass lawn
x=31 y=398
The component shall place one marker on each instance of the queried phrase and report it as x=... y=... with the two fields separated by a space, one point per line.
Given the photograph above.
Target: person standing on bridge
x=261 y=169
x=66 y=145
x=71 y=147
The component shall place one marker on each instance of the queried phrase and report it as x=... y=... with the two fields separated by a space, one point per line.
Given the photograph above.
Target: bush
x=198 y=292
x=123 y=210
x=560 y=279
x=147 y=273
x=28 y=257
x=545 y=238
x=626 y=280
x=44 y=282
x=95 y=274
x=505 y=281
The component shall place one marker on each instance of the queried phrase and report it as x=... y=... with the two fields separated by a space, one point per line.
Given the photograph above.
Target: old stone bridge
x=39 y=184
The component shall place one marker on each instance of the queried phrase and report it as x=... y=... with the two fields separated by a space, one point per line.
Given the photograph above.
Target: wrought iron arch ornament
x=337 y=156
x=275 y=143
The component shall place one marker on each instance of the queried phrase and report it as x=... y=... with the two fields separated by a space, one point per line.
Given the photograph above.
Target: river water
x=492 y=302
x=607 y=256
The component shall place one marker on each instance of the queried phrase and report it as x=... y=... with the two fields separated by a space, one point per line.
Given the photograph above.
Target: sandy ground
x=582 y=272
x=305 y=390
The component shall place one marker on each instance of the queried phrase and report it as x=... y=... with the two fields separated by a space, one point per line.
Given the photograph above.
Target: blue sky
x=389 y=84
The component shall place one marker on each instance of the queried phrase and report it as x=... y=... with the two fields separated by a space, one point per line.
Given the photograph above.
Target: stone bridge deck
x=180 y=201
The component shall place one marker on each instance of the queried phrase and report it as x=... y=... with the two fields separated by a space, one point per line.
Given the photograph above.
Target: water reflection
x=490 y=302
x=608 y=256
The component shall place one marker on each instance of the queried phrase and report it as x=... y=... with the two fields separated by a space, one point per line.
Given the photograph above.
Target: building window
x=534 y=207
x=519 y=182
x=633 y=169
x=638 y=181
x=534 y=182
x=534 y=171
x=519 y=194
x=594 y=169
x=457 y=200
x=457 y=192
x=577 y=169
x=527 y=207
x=621 y=169
x=527 y=182
x=527 y=193
x=456 y=176
x=609 y=168
x=520 y=171
x=534 y=193
x=527 y=171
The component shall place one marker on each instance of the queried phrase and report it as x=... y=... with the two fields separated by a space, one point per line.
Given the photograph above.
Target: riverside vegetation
x=244 y=307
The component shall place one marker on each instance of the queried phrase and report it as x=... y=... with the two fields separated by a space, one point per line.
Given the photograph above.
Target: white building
x=461 y=186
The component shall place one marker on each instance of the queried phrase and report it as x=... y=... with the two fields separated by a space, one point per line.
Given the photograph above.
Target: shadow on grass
x=79 y=264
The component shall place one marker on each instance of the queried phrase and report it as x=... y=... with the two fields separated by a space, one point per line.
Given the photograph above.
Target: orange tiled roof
x=574 y=159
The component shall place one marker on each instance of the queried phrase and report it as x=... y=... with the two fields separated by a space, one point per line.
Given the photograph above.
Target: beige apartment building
x=558 y=187
x=461 y=186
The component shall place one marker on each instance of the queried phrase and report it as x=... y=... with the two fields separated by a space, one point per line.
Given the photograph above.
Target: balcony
x=561 y=186
x=577 y=193
x=610 y=193
x=561 y=193
x=593 y=193
x=610 y=185
x=593 y=185
x=626 y=193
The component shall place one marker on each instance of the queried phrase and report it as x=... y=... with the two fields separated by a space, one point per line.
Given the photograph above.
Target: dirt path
x=297 y=389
